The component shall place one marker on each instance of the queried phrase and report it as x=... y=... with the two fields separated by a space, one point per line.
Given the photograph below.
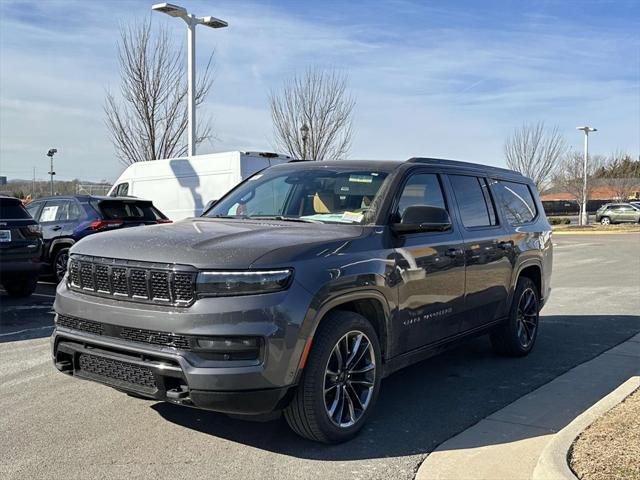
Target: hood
x=210 y=243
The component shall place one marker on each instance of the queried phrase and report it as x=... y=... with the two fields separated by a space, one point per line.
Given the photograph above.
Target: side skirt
x=399 y=362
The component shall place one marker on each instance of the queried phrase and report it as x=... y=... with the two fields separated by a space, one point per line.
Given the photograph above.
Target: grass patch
x=610 y=447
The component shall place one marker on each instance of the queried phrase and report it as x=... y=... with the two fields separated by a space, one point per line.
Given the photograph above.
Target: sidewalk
x=507 y=444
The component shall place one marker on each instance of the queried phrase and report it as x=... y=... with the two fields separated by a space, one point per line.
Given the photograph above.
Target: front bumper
x=183 y=376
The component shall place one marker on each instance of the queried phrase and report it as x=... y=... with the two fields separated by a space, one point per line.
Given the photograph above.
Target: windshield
x=313 y=195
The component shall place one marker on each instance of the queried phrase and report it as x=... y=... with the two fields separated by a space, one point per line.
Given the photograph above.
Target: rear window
x=12 y=210
x=517 y=202
x=125 y=210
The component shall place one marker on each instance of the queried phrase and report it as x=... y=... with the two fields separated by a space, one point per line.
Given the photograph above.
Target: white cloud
x=425 y=89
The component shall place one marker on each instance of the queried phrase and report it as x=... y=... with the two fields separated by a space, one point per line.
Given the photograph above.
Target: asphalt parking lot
x=56 y=426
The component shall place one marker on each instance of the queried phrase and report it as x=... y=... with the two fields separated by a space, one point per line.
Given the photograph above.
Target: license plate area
x=5 y=236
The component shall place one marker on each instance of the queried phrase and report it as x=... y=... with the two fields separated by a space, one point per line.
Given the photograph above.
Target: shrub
x=559 y=221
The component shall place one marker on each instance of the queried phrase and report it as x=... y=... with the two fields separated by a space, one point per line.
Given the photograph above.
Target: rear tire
x=340 y=382
x=22 y=286
x=60 y=263
x=517 y=336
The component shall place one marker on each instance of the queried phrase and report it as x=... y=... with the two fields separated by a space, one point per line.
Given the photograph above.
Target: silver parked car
x=610 y=213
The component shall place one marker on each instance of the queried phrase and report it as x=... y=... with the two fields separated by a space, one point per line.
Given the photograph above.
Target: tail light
x=105 y=224
x=36 y=229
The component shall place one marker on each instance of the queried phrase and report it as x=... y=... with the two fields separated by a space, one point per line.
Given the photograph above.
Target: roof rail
x=458 y=164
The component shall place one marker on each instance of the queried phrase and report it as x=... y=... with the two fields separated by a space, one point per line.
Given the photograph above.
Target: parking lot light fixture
x=192 y=21
x=584 y=216
x=50 y=154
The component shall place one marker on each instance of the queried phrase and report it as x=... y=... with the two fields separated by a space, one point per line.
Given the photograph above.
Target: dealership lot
x=54 y=426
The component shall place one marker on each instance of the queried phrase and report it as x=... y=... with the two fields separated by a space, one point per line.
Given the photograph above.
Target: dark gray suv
x=306 y=285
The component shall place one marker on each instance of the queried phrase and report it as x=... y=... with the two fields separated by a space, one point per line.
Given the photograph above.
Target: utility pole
x=50 y=154
x=584 y=215
x=33 y=184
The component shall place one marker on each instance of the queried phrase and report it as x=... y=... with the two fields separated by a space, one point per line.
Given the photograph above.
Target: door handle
x=454 y=252
x=508 y=246
x=56 y=228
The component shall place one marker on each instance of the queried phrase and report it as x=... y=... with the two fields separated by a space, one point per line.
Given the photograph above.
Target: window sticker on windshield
x=352 y=217
x=360 y=178
x=49 y=213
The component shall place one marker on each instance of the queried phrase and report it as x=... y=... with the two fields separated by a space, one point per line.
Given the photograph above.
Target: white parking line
x=24 y=331
x=43 y=295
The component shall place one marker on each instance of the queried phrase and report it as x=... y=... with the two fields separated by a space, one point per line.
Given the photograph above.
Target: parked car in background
x=611 y=213
x=67 y=219
x=183 y=187
x=20 y=248
x=306 y=285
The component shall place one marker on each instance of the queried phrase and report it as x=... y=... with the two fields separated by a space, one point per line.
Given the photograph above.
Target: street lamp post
x=304 y=131
x=584 y=216
x=50 y=154
x=192 y=21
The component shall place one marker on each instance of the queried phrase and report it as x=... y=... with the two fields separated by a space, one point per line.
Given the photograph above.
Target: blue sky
x=431 y=78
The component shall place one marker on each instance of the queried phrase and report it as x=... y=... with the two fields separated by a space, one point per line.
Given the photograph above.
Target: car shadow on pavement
x=27 y=318
x=427 y=403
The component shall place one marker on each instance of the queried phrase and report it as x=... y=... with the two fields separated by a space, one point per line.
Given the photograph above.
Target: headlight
x=225 y=284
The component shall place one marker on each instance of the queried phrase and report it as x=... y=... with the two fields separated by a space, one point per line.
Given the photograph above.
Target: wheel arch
x=371 y=304
x=533 y=271
x=57 y=244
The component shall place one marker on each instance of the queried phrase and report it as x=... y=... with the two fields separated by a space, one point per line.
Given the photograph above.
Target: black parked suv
x=306 y=285
x=67 y=219
x=20 y=248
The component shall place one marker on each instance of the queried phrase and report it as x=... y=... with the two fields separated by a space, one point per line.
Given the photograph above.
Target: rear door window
x=127 y=210
x=474 y=201
x=12 y=210
x=516 y=201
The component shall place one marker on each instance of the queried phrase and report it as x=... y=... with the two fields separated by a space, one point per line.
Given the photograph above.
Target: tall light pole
x=304 y=131
x=192 y=21
x=584 y=216
x=50 y=154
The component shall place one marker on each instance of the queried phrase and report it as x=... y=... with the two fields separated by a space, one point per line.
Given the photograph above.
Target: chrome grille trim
x=145 y=282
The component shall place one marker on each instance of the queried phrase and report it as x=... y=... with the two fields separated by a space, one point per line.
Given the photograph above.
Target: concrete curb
x=554 y=460
x=592 y=232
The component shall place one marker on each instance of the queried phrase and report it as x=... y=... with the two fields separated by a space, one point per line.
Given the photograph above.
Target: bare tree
x=149 y=120
x=569 y=175
x=622 y=175
x=535 y=151
x=319 y=100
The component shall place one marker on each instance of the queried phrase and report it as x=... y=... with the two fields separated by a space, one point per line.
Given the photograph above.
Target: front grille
x=116 y=372
x=88 y=326
x=136 y=281
x=140 y=335
x=155 y=338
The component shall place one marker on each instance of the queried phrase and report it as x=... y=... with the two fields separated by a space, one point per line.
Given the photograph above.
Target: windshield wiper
x=282 y=218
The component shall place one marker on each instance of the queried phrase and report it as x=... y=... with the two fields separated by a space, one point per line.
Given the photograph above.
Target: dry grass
x=610 y=448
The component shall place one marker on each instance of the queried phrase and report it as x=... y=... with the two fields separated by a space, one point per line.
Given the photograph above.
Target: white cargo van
x=182 y=187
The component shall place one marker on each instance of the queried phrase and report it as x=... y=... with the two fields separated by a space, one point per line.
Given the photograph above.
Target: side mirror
x=209 y=204
x=422 y=218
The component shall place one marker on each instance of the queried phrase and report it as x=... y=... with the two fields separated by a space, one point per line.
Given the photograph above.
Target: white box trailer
x=182 y=187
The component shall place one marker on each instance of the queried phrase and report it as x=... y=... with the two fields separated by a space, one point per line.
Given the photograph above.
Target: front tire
x=340 y=382
x=605 y=221
x=516 y=337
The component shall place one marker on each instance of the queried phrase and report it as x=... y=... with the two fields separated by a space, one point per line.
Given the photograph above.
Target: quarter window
x=421 y=189
x=517 y=202
x=474 y=201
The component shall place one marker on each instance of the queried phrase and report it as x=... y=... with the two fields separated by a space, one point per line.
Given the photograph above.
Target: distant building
x=3 y=180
